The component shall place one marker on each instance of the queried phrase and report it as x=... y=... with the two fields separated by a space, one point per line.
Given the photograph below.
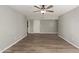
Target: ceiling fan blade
x=37 y=11
x=37 y=7
x=49 y=11
x=49 y=7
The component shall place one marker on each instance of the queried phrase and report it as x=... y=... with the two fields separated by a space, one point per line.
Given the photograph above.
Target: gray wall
x=12 y=27
x=48 y=26
x=45 y=26
x=69 y=27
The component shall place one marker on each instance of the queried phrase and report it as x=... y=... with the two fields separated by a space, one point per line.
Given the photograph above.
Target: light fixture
x=43 y=11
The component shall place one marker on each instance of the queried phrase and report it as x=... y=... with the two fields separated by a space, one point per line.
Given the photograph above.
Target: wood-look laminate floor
x=42 y=43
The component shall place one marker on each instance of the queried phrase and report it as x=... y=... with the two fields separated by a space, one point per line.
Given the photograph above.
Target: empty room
x=39 y=28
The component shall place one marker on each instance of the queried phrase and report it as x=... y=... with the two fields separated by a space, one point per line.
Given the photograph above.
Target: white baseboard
x=45 y=33
x=14 y=43
x=69 y=41
x=48 y=33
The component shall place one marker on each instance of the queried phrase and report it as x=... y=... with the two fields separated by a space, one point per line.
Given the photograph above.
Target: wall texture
x=48 y=26
x=12 y=27
x=69 y=27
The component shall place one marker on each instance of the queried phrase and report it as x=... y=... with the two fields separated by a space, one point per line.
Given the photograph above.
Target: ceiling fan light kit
x=43 y=11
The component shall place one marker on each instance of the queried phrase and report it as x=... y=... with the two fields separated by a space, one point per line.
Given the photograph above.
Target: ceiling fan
x=44 y=8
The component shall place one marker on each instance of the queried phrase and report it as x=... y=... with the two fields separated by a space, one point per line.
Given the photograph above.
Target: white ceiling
x=28 y=11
